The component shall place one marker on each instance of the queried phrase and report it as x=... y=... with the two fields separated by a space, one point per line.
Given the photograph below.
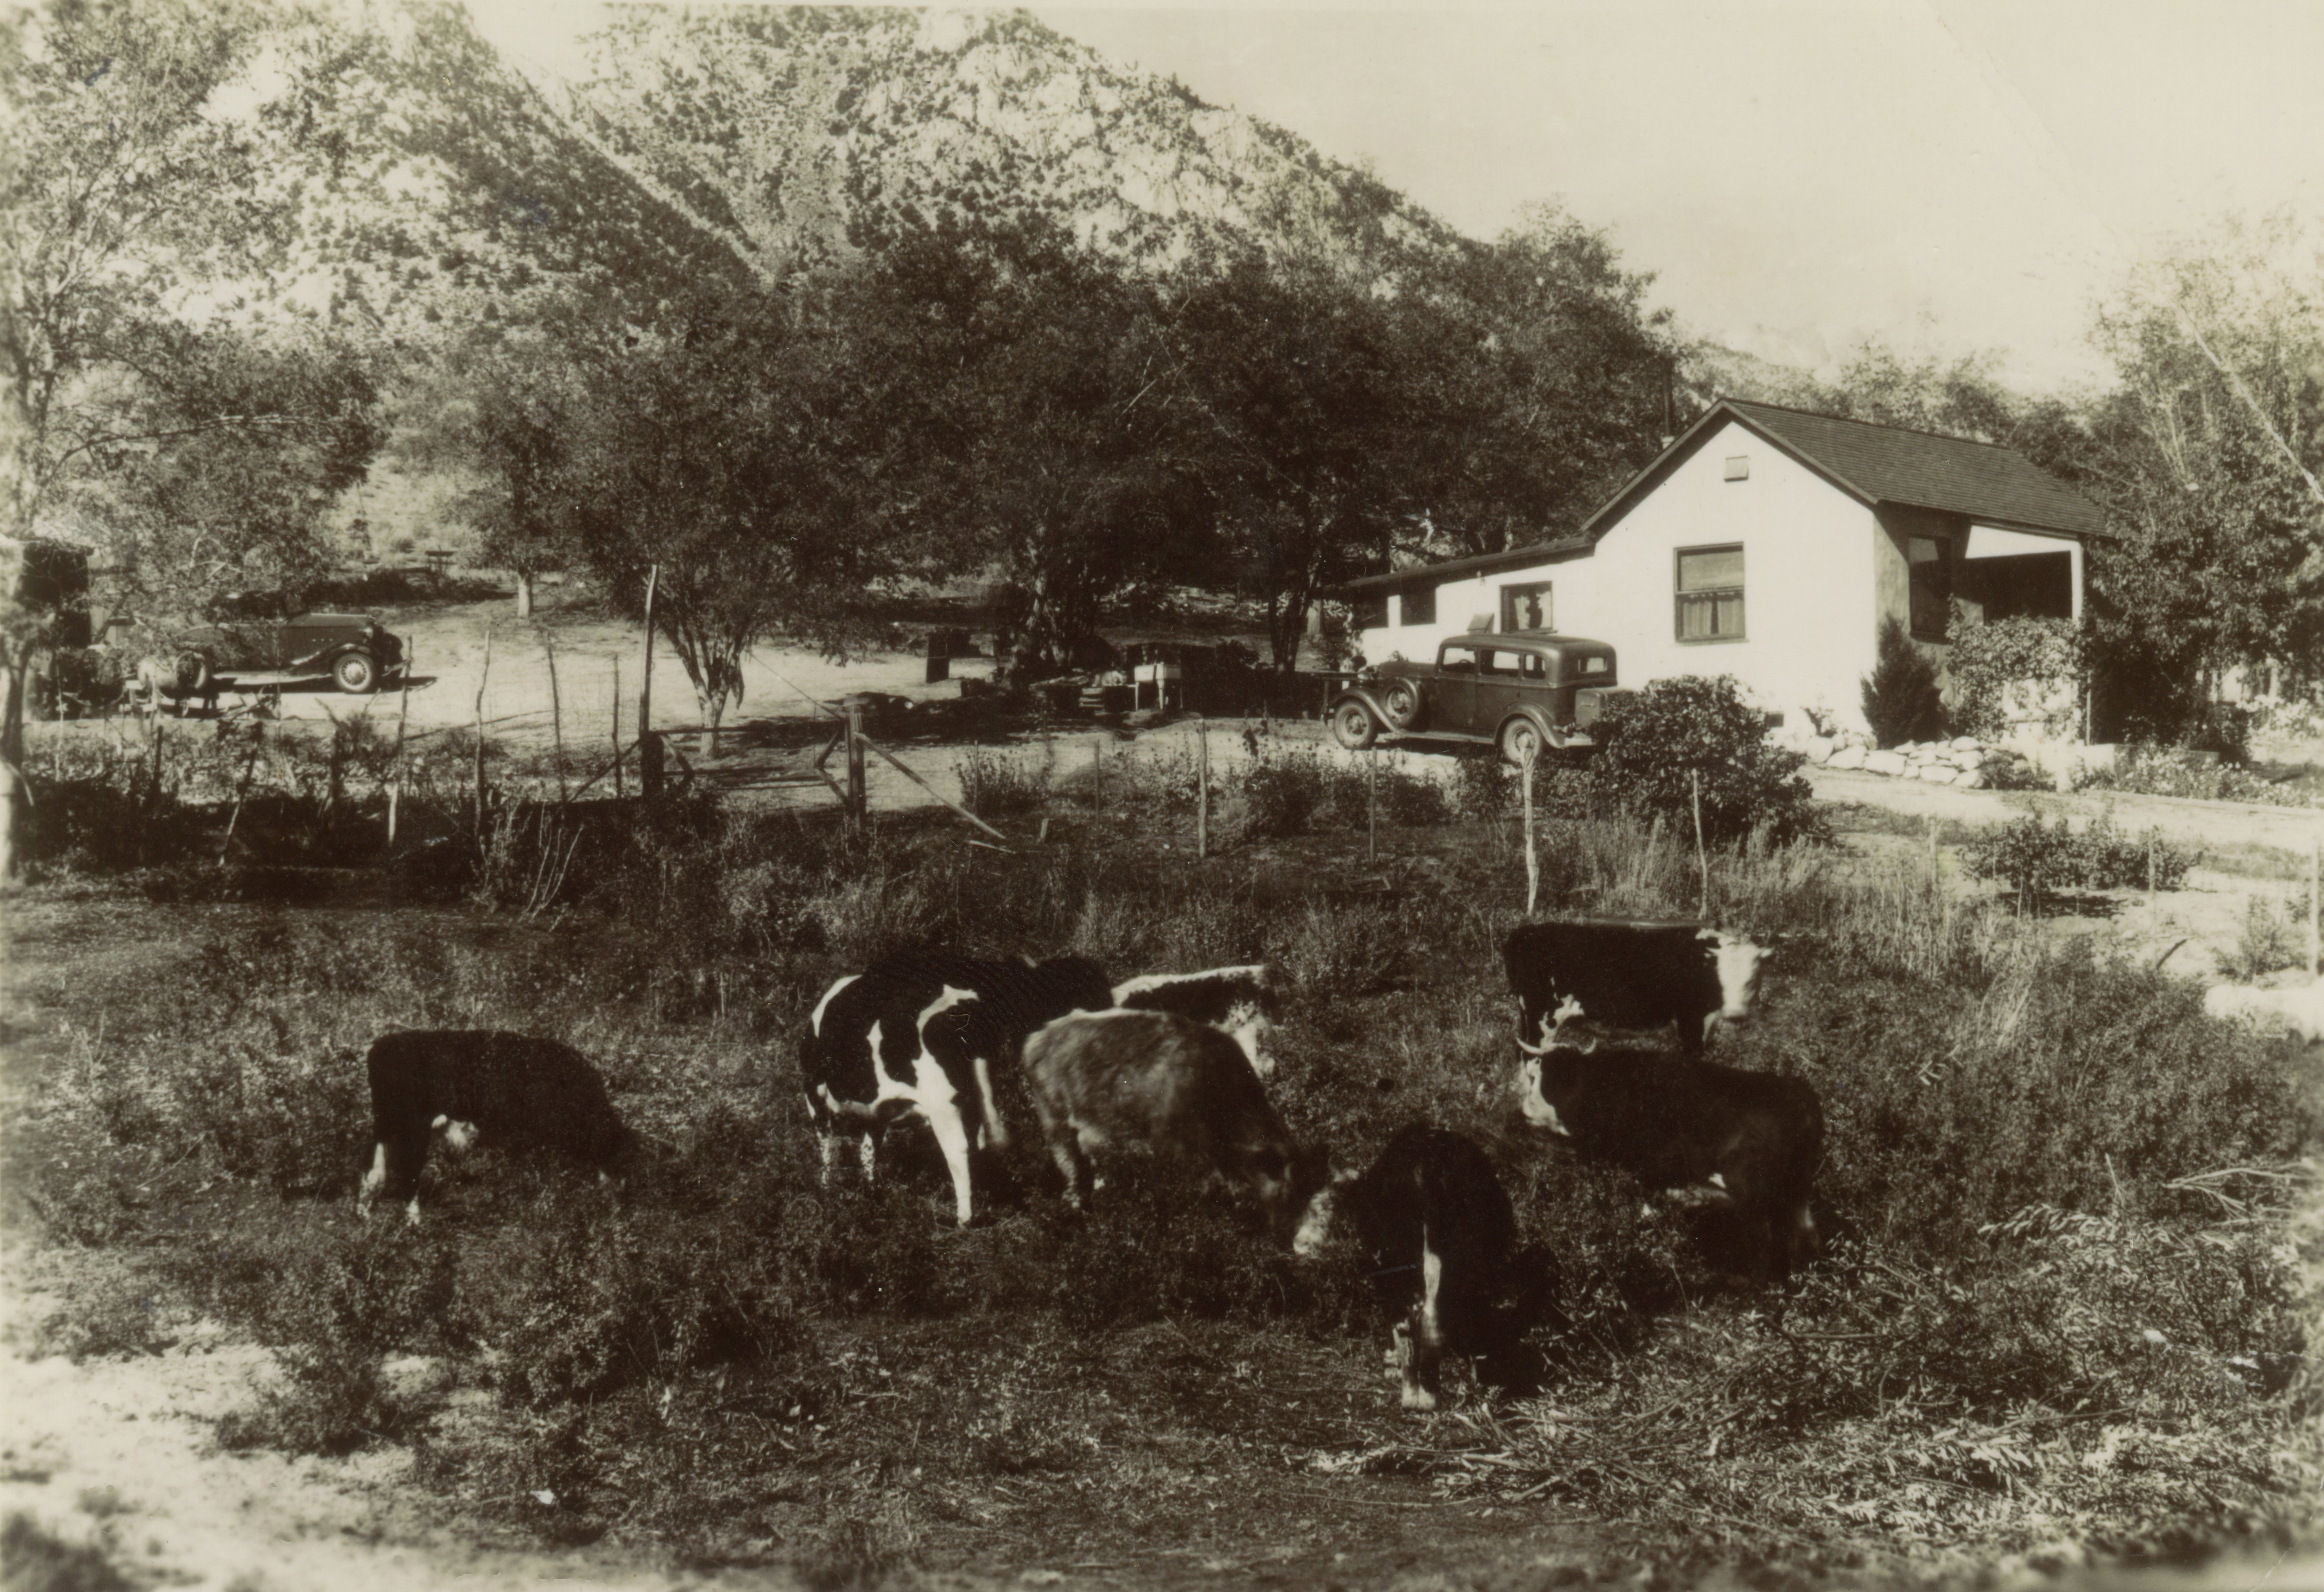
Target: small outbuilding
x=1769 y=544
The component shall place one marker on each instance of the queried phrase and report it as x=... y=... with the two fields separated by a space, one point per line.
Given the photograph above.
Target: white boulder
x=1820 y=749
x=1848 y=756
x=1890 y=763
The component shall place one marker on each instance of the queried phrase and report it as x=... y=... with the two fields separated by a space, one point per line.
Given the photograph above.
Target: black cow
x=532 y=1095
x=1438 y=1238
x=1633 y=975
x=1239 y=999
x=923 y=1035
x=1167 y=1083
x=1752 y=1141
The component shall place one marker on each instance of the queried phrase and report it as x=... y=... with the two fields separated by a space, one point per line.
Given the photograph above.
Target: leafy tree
x=750 y=452
x=1542 y=380
x=1900 y=695
x=1052 y=442
x=2207 y=457
x=1291 y=377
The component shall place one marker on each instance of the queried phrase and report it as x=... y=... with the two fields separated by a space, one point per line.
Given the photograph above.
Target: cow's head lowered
x=1739 y=962
x=1551 y=1071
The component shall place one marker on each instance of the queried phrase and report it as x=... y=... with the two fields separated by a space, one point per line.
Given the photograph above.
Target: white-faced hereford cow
x=1239 y=999
x=1751 y=1141
x=528 y=1095
x=923 y=1034
x=1438 y=1238
x=1156 y=1080
x=1633 y=975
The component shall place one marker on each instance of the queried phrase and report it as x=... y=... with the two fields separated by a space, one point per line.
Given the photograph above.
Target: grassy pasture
x=2064 y=1314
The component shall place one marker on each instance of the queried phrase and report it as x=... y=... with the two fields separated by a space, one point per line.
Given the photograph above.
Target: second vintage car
x=1527 y=692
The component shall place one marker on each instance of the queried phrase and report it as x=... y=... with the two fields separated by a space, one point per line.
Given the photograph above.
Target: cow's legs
x=952 y=1138
x=1066 y=1149
x=1420 y=1342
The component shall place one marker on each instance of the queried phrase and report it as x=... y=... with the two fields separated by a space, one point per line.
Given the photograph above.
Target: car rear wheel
x=1521 y=742
x=1400 y=703
x=355 y=672
x=1353 y=727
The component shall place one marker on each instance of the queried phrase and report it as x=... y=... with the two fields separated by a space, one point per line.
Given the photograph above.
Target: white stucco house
x=1768 y=544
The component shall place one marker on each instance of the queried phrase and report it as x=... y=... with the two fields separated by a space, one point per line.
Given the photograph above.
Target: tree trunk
x=523 y=596
x=712 y=704
x=15 y=801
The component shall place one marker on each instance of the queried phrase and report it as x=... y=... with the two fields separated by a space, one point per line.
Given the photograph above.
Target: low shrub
x=1688 y=741
x=2270 y=940
x=997 y=784
x=2036 y=859
x=1988 y=656
x=2181 y=771
x=1901 y=702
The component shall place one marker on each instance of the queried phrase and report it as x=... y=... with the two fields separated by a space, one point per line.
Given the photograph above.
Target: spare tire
x=1402 y=704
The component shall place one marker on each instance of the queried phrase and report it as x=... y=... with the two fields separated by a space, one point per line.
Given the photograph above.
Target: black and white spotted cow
x=1751 y=1142
x=528 y=1095
x=1438 y=1238
x=1240 y=999
x=1633 y=975
x=1159 y=1081
x=924 y=1035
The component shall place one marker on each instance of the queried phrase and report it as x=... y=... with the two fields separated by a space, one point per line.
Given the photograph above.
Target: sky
x=1948 y=175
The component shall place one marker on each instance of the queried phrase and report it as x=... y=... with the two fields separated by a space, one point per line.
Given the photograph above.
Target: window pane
x=1526 y=607
x=1371 y=612
x=1709 y=569
x=1420 y=606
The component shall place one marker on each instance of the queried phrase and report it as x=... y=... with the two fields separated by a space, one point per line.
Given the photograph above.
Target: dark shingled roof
x=1888 y=464
x=1919 y=469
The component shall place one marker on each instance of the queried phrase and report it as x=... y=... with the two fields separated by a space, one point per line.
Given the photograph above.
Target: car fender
x=1359 y=694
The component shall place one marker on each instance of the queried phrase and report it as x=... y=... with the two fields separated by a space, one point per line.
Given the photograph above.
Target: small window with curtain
x=1528 y=607
x=1711 y=594
x=1418 y=606
x=1931 y=559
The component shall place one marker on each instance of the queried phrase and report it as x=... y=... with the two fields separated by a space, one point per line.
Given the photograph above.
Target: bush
x=1988 y=656
x=1656 y=746
x=2035 y=858
x=995 y=785
x=1900 y=695
x=2182 y=771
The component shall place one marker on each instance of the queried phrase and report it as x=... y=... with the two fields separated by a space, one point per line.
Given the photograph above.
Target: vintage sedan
x=350 y=650
x=1527 y=692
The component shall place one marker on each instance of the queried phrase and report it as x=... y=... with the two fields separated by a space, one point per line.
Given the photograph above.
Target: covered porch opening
x=2014 y=574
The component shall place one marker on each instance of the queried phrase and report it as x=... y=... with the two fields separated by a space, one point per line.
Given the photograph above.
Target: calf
x=1752 y=1140
x=1437 y=1233
x=532 y=1095
x=1239 y=999
x=1634 y=975
x=1171 y=1084
x=923 y=1035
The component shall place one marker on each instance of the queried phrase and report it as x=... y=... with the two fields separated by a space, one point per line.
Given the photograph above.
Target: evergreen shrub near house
x=1989 y=655
x=1900 y=694
x=1691 y=738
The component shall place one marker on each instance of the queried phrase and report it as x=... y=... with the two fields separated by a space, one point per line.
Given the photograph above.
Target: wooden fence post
x=1702 y=857
x=621 y=781
x=556 y=714
x=648 y=769
x=2315 y=899
x=482 y=676
x=396 y=775
x=857 y=806
x=1371 y=805
x=1201 y=785
x=1533 y=852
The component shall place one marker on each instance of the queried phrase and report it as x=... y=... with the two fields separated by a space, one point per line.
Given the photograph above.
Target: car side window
x=1459 y=661
x=1530 y=665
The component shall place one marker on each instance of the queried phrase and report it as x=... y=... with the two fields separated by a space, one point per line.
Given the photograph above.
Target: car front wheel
x=355 y=672
x=1521 y=742
x=1400 y=703
x=1353 y=726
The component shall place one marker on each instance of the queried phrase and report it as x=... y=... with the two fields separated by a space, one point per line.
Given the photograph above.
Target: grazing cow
x=532 y=1095
x=1437 y=1234
x=1752 y=1140
x=1239 y=999
x=923 y=1035
x=1634 y=975
x=1157 y=1080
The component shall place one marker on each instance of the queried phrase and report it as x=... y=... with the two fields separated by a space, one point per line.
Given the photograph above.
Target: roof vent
x=1739 y=468
x=1479 y=622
